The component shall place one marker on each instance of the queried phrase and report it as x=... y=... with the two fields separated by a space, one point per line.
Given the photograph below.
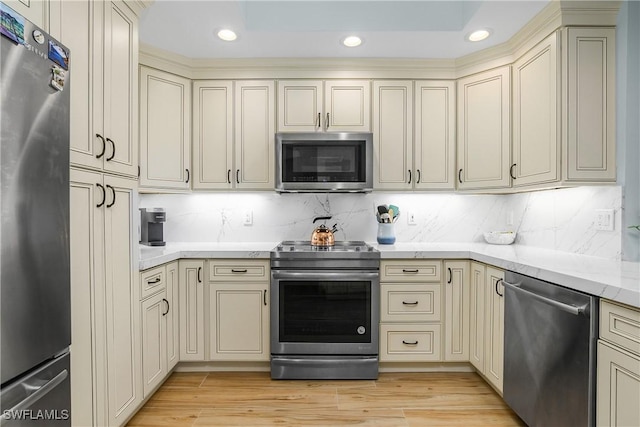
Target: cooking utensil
x=322 y=235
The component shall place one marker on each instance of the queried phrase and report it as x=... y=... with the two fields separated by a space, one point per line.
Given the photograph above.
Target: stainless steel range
x=325 y=311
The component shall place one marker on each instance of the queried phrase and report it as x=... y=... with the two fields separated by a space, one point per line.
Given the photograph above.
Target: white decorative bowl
x=500 y=237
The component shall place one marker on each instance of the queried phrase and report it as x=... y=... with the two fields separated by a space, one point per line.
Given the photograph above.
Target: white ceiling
x=315 y=28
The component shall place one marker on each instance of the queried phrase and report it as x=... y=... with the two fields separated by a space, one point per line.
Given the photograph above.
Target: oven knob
x=291 y=249
x=370 y=249
x=361 y=330
x=357 y=248
x=279 y=248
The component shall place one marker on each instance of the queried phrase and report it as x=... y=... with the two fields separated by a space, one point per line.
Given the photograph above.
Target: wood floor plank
x=158 y=417
x=263 y=379
x=462 y=418
x=186 y=379
x=305 y=417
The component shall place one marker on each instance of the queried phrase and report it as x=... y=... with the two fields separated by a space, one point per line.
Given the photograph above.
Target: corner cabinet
x=104 y=302
x=233 y=134
x=484 y=131
x=165 y=130
x=316 y=105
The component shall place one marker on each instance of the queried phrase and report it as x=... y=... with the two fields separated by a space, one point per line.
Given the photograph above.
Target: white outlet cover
x=604 y=219
x=411 y=218
x=247 y=217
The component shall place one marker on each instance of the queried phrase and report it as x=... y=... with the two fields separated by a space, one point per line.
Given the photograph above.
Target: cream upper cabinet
x=456 y=310
x=434 y=159
x=477 y=310
x=165 y=130
x=393 y=135
x=35 y=11
x=484 y=132
x=331 y=105
x=191 y=301
x=589 y=96
x=536 y=119
x=212 y=134
x=254 y=135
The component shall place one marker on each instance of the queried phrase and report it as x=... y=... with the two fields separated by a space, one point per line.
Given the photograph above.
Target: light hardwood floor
x=253 y=399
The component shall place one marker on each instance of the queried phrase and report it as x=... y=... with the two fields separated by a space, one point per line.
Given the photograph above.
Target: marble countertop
x=610 y=279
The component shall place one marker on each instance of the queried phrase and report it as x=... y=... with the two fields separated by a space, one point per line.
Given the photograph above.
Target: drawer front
x=620 y=325
x=410 y=343
x=241 y=270
x=152 y=281
x=410 y=271
x=411 y=303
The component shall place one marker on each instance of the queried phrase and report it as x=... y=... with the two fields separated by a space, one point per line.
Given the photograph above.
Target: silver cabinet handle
x=410 y=303
x=37 y=395
x=410 y=343
x=572 y=309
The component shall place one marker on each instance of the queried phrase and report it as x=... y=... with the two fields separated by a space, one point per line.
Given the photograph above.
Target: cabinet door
x=239 y=319
x=456 y=310
x=483 y=130
x=347 y=105
x=299 y=105
x=590 y=99
x=212 y=135
x=435 y=135
x=477 y=296
x=35 y=11
x=618 y=391
x=255 y=133
x=165 y=130
x=154 y=354
x=191 y=301
x=172 y=318
x=536 y=124
x=71 y=22
x=86 y=240
x=122 y=300
x=393 y=135
x=494 y=327
x=120 y=68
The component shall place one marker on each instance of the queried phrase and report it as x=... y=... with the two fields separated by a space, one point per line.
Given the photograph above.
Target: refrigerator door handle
x=38 y=394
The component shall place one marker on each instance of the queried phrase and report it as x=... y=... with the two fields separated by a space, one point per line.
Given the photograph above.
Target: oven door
x=325 y=313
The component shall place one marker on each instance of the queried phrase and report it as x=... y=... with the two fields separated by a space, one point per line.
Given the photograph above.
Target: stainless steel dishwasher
x=550 y=339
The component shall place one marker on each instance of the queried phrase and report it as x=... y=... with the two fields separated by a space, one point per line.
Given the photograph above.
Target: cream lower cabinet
x=410 y=311
x=484 y=131
x=618 y=370
x=165 y=130
x=191 y=311
x=487 y=322
x=239 y=310
x=104 y=300
x=456 y=310
x=159 y=302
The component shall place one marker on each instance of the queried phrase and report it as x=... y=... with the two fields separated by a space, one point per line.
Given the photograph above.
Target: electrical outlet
x=411 y=218
x=604 y=219
x=247 y=217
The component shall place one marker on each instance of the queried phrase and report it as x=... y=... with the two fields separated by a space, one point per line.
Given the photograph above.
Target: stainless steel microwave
x=324 y=162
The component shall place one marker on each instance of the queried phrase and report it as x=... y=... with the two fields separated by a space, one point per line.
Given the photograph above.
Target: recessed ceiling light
x=227 y=35
x=352 y=41
x=478 y=35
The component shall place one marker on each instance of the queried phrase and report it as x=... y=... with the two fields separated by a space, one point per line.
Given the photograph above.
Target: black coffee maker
x=151 y=221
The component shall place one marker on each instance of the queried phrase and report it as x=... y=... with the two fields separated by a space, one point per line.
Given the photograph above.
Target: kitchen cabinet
x=103 y=38
x=234 y=131
x=410 y=311
x=191 y=309
x=487 y=322
x=536 y=119
x=456 y=310
x=160 y=351
x=36 y=11
x=165 y=130
x=238 y=310
x=393 y=135
x=484 y=131
x=346 y=108
x=618 y=366
x=104 y=299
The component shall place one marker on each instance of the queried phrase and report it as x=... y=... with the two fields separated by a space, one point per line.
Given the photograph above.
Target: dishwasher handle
x=572 y=309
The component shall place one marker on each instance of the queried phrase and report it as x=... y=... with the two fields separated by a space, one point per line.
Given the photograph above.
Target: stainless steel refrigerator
x=34 y=233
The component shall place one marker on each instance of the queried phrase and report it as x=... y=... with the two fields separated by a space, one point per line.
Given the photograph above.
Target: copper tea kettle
x=322 y=235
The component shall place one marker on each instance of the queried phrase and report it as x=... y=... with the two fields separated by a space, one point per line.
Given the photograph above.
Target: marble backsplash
x=561 y=219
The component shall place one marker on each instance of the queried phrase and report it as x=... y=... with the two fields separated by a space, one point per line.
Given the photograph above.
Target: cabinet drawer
x=410 y=271
x=238 y=270
x=152 y=281
x=410 y=303
x=410 y=343
x=620 y=325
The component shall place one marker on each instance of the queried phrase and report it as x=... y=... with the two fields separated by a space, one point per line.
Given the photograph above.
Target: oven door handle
x=324 y=275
